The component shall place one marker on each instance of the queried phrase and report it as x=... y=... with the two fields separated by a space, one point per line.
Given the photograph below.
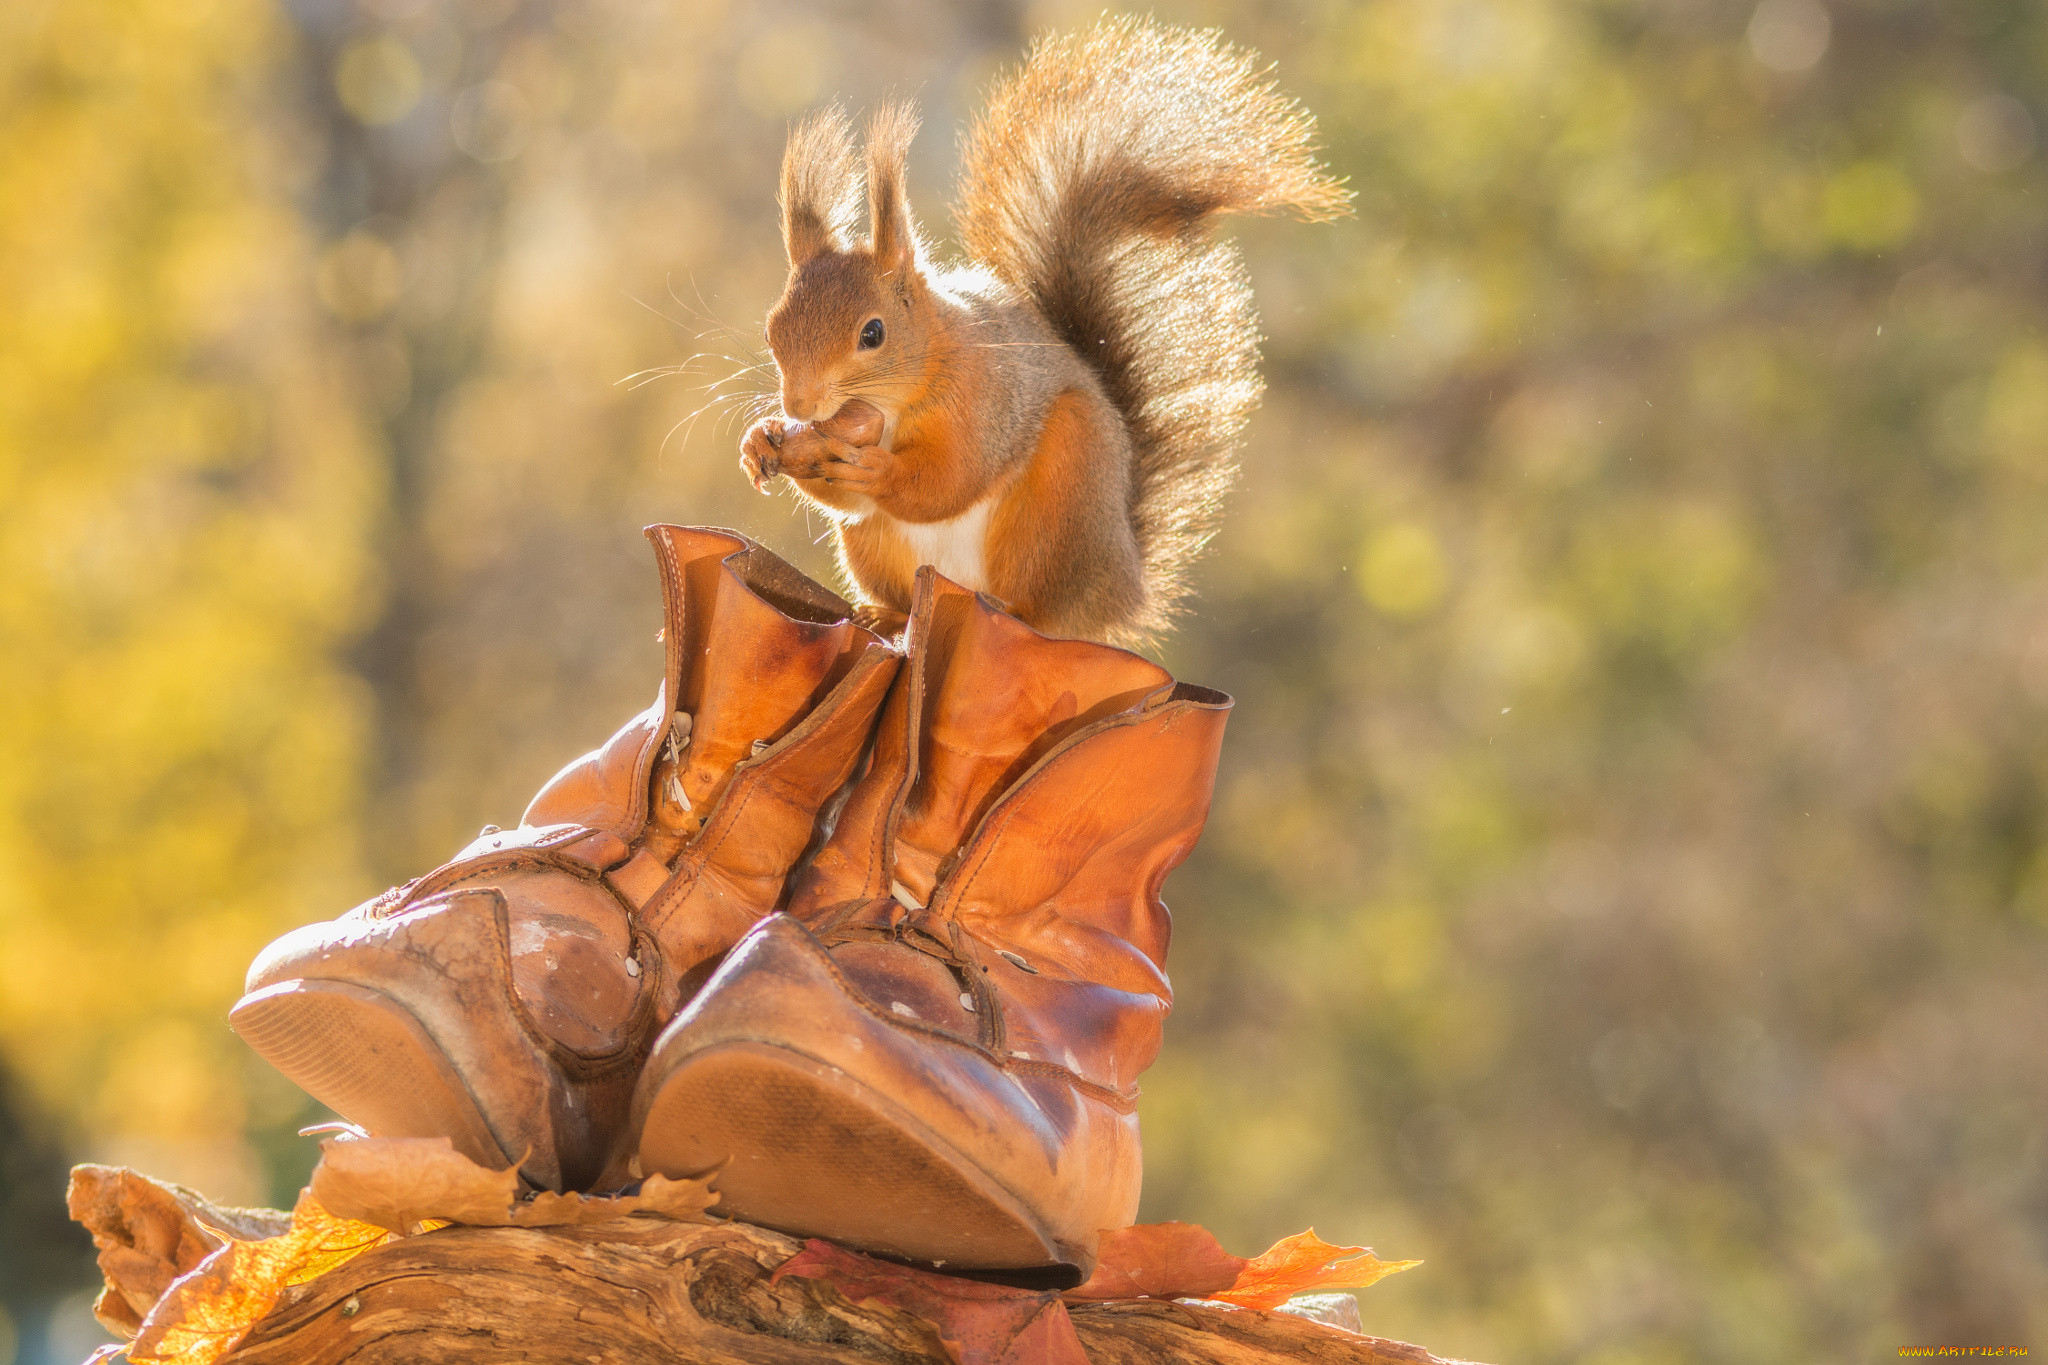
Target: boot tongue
x=910 y=965
x=753 y=648
x=996 y=697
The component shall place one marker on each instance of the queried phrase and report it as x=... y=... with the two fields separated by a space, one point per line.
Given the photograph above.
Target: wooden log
x=639 y=1290
x=634 y=1289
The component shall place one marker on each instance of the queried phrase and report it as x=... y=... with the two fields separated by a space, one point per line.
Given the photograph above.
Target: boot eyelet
x=1019 y=963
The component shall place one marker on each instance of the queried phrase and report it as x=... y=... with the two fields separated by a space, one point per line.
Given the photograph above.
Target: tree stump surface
x=634 y=1289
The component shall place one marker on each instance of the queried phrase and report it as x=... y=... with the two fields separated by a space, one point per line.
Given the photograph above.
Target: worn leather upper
x=634 y=865
x=1034 y=810
x=697 y=808
x=985 y=940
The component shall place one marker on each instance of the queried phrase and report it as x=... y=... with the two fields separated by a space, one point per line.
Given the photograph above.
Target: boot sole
x=366 y=1057
x=803 y=1148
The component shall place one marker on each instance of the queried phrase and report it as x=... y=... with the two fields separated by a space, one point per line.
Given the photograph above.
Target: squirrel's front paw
x=761 y=451
x=809 y=455
x=867 y=470
x=800 y=448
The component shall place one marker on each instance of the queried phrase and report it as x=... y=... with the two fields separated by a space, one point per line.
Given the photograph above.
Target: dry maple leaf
x=1303 y=1264
x=981 y=1324
x=146 y=1239
x=398 y=1182
x=682 y=1200
x=401 y=1183
x=205 y=1313
x=1160 y=1261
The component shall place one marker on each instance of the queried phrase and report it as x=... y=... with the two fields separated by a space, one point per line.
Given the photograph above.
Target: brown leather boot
x=506 y=1000
x=934 y=1055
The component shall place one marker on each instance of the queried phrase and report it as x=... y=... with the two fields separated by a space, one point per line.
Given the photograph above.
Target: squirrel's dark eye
x=871 y=335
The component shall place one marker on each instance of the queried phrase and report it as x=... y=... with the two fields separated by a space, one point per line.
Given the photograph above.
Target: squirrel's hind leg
x=884 y=621
x=1061 y=551
x=882 y=568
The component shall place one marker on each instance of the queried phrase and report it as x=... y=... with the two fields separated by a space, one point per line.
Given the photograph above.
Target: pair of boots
x=877 y=937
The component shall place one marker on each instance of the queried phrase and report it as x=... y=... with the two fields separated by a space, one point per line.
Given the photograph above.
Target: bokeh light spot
x=378 y=80
x=1790 y=35
x=1995 y=133
x=1402 y=571
x=2016 y=409
x=358 y=278
x=491 y=121
x=1870 y=205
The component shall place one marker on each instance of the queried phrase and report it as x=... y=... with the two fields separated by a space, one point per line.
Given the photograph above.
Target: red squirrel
x=1055 y=421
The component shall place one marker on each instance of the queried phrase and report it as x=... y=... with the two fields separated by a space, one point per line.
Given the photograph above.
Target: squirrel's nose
x=802 y=406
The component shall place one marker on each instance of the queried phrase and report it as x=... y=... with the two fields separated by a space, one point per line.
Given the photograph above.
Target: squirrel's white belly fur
x=956 y=548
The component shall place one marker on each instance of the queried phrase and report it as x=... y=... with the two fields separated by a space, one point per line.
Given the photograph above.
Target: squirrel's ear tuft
x=890 y=129
x=820 y=186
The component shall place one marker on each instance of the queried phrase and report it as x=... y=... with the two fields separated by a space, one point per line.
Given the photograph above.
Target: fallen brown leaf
x=1303 y=1264
x=401 y=1183
x=145 y=1238
x=1159 y=1261
x=681 y=1200
x=981 y=1324
x=149 y=1232
x=205 y=1313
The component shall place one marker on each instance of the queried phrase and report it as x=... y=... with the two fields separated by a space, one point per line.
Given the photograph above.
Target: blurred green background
x=1628 y=883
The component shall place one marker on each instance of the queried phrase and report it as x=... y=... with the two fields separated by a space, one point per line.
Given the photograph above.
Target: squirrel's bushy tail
x=1087 y=184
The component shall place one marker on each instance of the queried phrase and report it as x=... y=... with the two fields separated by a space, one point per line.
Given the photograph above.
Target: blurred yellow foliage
x=187 y=495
